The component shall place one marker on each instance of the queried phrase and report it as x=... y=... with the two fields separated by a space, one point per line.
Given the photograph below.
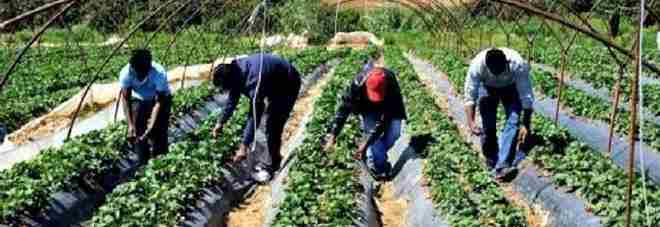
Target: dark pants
x=279 y=109
x=500 y=156
x=157 y=141
x=3 y=133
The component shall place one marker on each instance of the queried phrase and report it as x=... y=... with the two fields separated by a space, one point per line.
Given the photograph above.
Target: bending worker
x=499 y=75
x=376 y=96
x=146 y=95
x=279 y=85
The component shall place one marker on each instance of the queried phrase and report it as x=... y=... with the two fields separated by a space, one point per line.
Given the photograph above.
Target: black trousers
x=156 y=142
x=279 y=109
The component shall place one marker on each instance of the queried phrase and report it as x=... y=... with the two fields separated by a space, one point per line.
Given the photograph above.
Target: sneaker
x=262 y=175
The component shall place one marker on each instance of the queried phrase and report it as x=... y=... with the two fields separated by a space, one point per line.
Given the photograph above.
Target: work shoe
x=504 y=173
x=262 y=174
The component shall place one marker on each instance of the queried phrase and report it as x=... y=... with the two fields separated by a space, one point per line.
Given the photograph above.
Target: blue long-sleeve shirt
x=273 y=67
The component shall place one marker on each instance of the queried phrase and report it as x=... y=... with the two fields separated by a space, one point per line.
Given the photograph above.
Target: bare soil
x=392 y=209
x=252 y=212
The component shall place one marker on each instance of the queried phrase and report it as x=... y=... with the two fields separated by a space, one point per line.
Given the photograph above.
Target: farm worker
x=3 y=132
x=375 y=95
x=260 y=77
x=147 y=100
x=499 y=75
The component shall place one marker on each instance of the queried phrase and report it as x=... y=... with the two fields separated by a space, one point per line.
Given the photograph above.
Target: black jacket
x=355 y=100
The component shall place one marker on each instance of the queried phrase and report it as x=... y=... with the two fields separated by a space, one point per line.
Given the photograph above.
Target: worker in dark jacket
x=147 y=100
x=375 y=95
x=259 y=77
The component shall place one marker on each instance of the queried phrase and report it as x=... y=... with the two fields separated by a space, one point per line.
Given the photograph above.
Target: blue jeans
x=377 y=152
x=500 y=156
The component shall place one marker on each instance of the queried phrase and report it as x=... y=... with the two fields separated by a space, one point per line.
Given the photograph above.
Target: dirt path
x=252 y=212
x=392 y=209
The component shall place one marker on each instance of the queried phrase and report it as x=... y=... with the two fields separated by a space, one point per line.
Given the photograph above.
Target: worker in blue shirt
x=147 y=101
x=260 y=77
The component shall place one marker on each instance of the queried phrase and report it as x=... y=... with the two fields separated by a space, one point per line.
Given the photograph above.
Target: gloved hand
x=329 y=142
x=358 y=155
x=217 y=130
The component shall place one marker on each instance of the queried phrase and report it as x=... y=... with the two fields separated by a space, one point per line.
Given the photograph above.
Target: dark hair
x=496 y=61
x=223 y=74
x=140 y=60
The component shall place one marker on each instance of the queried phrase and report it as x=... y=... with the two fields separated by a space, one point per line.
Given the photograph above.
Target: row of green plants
x=461 y=186
x=29 y=186
x=41 y=83
x=588 y=59
x=576 y=99
x=163 y=192
x=582 y=104
x=575 y=166
x=26 y=189
x=321 y=188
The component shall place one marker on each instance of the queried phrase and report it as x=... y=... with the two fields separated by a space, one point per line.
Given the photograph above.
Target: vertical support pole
x=615 y=109
x=560 y=84
x=633 y=118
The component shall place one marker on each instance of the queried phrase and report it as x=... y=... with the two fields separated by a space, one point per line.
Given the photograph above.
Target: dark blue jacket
x=277 y=75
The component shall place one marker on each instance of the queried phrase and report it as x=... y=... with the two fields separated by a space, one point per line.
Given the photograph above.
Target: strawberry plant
x=573 y=165
x=321 y=188
x=460 y=184
x=160 y=193
x=47 y=76
x=584 y=105
x=164 y=191
x=27 y=187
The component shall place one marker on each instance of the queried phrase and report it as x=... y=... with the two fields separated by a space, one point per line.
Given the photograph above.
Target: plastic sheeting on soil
x=98 y=112
x=219 y=200
x=595 y=134
x=601 y=93
x=565 y=209
x=292 y=40
x=407 y=182
x=99 y=96
x=296 y=139
x=368 y=215
x=72 y=207
x=358 y=39
x=114 y=39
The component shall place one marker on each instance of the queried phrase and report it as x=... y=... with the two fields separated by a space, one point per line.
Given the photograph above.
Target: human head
x=376 y=85
x=496 y=61
x=223 y=75
x=141 y=62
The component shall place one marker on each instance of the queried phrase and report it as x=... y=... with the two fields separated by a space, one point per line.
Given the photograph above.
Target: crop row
x=582 y=104
x=165 y=189
x=27 y=188
x=575 y=166
x=461 y=186
x=161 y=191
x=41 y=83
x=321 y=187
